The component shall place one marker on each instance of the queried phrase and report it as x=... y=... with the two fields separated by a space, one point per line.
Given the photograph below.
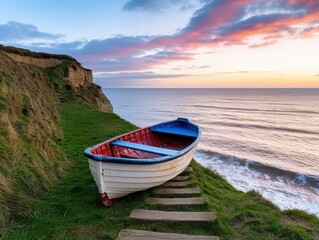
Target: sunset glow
x=167 y=43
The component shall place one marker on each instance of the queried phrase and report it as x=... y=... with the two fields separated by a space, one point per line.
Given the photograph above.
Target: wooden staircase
x=176 y=193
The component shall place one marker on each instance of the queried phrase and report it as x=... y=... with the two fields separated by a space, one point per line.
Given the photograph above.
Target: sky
x=174 y=43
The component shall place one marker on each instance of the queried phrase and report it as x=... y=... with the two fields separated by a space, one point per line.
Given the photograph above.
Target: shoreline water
x=287 y=187
x=273 y=185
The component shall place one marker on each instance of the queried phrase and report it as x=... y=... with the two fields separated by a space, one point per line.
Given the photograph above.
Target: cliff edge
x=73 y=77
x=32 y=85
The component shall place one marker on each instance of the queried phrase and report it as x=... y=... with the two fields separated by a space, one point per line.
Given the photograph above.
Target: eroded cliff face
x=79 y=76
x=81 y=82
x=79 y=79
x=32 y=85
x=40 y=62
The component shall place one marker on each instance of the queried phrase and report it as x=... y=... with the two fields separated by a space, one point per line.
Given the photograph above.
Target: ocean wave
x=271 y=128
x=257 y=110
x=310 y=181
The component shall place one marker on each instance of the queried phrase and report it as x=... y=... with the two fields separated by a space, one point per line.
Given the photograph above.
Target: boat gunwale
x=99 y=158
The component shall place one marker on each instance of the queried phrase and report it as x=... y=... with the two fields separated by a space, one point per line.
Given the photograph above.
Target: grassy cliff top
x=71 y=209
x=28 y=53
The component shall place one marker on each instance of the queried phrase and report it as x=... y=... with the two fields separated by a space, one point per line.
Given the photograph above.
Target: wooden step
x=188 y=169
x=130 y=234
x=176 y=184
x=176 y=201
x=177 y=191
x=154 y=215
x=180 y=178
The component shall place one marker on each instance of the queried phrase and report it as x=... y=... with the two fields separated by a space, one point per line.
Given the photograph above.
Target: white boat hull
x=119 y=179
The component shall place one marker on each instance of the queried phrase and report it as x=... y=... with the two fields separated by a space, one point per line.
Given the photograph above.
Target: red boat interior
x=146 y=144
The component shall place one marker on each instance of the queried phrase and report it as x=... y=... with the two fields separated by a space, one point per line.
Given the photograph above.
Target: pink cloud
x=217 y=23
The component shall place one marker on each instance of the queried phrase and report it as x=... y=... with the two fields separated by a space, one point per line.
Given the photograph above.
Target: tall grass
x=30 y=158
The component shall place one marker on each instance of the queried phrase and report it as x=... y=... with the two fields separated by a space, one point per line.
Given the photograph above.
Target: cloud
x=158 y=5
x=218 y=23
x=131 y=79
x=168 y=55
x=253 y=23
x=15 y=31
x=184 y=67
x=133 y=62
x=134 y=75
x=225 y=22
x=241 y=72
x=116 y=46
x=263 y=44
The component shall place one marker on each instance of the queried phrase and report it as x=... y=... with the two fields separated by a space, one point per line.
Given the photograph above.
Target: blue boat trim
x=181 y=126
x=175 y=131
x=145 y=148
x=185 y=121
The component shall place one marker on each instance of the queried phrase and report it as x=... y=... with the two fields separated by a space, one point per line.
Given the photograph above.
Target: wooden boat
x=142 y=159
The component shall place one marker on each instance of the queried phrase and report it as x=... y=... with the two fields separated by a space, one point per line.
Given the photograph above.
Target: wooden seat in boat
x=146 y=148
x=175 y=131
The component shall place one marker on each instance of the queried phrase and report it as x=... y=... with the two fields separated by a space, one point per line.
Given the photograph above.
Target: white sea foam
x=301 y=178
x=245 y=179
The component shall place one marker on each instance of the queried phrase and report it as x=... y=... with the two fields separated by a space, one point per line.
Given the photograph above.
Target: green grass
x=4 y=78
x=3 y=101
x=71 y=209
x=57 y=76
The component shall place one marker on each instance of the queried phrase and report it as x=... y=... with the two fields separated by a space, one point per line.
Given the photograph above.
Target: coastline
x=61 y=212
x=254 y=140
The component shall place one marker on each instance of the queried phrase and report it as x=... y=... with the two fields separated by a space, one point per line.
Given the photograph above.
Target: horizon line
x=315 y=88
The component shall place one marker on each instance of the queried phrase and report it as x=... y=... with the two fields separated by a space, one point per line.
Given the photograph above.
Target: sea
x=265 y=140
